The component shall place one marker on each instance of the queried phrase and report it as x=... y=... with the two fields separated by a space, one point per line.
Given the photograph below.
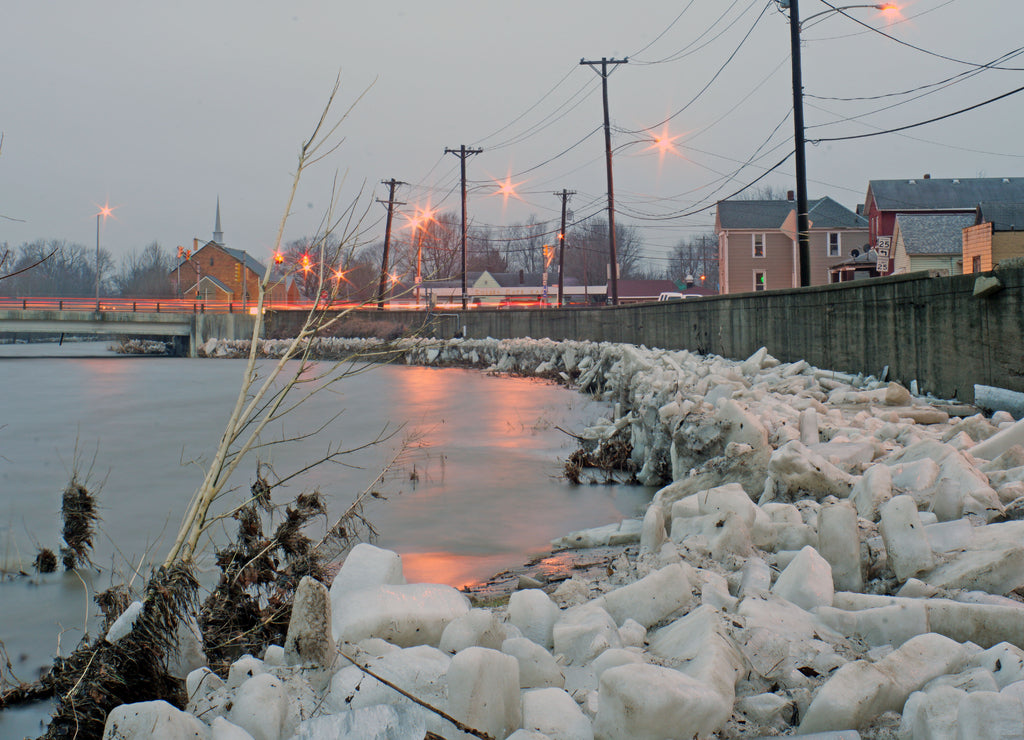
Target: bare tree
x=54 y=268
x=696 y=258
x=146 y=274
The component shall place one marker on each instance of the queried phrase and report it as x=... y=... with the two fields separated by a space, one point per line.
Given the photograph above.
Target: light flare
x=507 y=189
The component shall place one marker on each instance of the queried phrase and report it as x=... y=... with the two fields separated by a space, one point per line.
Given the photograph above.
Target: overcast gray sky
x=159 y=109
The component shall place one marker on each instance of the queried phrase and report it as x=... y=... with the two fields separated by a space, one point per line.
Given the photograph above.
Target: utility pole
x=462 y=153
x=802 y=225
x=614 y=271
x=564 y=195
x=392 y=184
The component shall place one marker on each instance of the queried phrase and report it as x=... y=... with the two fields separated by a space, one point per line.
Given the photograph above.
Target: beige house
x=930 y=241
x=758 y=248
x=998 y=234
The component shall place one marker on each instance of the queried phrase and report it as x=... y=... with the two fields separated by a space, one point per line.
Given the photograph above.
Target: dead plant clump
x=78 y=509
x=99 y=676
x=612 y=457
x=46 y=561
x=251 y=606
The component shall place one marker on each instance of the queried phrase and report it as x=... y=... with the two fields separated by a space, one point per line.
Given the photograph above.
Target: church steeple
x=218 y=235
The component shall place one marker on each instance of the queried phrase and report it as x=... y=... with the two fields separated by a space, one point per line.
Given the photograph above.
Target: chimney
x=927 y=176
x=790 y=195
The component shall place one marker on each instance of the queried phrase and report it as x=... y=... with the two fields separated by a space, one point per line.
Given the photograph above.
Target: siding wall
x=978 y=243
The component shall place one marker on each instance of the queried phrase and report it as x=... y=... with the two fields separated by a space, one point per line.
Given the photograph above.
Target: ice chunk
x=365 y=566
x=478 y=627
x=553 y=712
x=534 y=613
x=483 y=691
x=986 y=715
x=379 y=722
x=584 y=632
x=906 y=544
x=651 y=599
x=839 y=544
x=806 y=581
x=414 y=614
x=260 y=707
x=646 y=702
x=537 y=667
x=419 y=670
x=147 y=719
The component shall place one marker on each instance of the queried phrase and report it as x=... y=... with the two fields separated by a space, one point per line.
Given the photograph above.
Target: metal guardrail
x=149 y=305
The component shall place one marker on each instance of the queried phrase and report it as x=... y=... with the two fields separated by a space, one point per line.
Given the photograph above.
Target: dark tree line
x=61 y=269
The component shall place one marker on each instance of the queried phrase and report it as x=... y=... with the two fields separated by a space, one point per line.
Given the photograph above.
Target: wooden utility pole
x=462 y=152
x=613 y=273
x=381 y=289
x=564 y=195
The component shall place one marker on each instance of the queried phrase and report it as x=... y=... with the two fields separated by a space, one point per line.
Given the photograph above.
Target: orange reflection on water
x=449 y=568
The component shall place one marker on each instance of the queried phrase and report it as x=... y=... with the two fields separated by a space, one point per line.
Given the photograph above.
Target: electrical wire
x=915 y=47
x=919 y=123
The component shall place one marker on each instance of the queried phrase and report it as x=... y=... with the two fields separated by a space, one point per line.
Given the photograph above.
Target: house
x=996 y=235
x=214 y=272
x=927 y=195
x=758 y=247
x=930 y=241
x=861 y=264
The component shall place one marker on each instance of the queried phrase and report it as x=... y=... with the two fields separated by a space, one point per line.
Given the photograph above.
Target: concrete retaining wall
x=923 y=327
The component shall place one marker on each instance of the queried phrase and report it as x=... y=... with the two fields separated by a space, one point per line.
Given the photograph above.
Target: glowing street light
x=418 y=223
x=802 y=222
x=105 y=210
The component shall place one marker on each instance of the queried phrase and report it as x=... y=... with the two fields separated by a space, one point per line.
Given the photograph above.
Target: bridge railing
x=149 y=305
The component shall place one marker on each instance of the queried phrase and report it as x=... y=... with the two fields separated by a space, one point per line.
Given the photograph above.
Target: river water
x=477 y=487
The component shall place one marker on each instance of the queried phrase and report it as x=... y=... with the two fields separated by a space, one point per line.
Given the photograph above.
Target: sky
x=160 y=109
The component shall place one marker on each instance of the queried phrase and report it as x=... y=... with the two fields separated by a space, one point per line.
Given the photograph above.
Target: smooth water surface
x=476 y=489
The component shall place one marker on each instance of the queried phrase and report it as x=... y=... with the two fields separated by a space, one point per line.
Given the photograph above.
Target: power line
x=920 y=123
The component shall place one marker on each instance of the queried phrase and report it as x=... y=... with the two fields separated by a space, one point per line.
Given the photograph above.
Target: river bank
x=828 y=553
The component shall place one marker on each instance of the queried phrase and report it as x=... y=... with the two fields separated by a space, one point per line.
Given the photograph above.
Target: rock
x=646 y=702
x=309 y=641
x=535 y=614
x=806 y=581
x=414 y=614
x=906 y=543
x=483 y=691
x=553 y=712
x=986 y=285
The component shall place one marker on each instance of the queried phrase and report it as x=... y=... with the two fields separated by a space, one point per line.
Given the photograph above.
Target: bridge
x=187 y=324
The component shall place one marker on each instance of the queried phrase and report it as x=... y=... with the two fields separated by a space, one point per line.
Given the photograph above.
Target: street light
x=802 y=226
x=105 y=210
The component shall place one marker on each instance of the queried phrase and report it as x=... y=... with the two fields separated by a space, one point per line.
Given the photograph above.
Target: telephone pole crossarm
x=613 y=271
x=463 y=152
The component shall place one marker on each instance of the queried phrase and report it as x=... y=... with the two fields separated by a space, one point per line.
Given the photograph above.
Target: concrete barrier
x=922 y=326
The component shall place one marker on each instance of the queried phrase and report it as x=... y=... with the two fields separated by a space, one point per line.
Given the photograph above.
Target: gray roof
x=1002 y=216
x=824 y=213
x=937 y=194
x=246 y=259
x=934 y=233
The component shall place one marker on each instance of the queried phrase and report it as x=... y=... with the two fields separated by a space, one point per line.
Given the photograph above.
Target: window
x=833 y=248
x=211 y=261
x=975 y=264
x=757 y=243
x=760 y=279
